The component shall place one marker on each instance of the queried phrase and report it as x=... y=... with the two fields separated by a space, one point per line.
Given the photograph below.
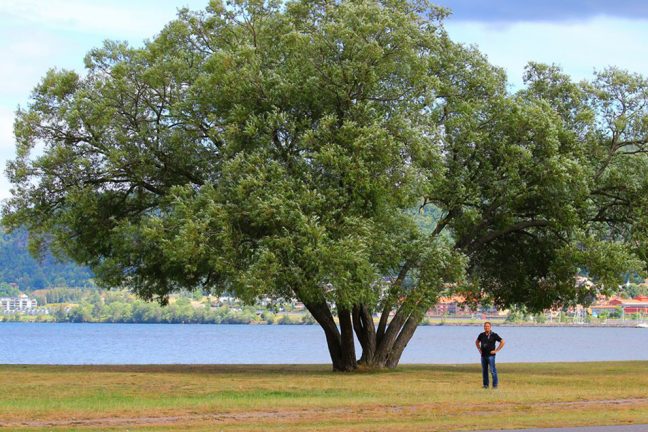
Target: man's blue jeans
x=486 y=363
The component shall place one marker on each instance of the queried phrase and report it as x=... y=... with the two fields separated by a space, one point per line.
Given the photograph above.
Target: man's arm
x=478 y=345
x=499 y=347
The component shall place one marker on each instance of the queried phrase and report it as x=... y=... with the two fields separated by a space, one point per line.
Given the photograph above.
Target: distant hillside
x=18 y=266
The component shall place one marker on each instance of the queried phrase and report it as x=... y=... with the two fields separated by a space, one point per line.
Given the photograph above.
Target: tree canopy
x=286 y=149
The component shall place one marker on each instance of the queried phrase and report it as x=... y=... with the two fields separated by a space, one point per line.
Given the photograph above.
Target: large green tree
x=283 y=149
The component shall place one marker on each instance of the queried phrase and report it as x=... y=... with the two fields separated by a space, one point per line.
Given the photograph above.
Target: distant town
x=627 y=308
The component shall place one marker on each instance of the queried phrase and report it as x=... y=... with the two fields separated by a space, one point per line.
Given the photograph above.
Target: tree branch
x=492 y=235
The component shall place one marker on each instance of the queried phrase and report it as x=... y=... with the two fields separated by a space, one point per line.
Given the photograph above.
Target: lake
x=24 y=343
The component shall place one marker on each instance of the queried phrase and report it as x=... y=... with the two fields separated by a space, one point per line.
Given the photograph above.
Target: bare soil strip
x=295 y=415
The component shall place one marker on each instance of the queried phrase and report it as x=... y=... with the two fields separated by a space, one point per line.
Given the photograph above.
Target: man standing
x=486 y=345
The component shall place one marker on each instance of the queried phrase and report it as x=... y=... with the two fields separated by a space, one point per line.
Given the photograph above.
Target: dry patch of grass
x=311 y=398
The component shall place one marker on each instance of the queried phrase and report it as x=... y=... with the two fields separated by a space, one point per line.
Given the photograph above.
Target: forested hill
x=18 y=266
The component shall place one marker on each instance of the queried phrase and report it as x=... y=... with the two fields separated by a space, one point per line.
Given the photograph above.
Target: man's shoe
x=485 y=387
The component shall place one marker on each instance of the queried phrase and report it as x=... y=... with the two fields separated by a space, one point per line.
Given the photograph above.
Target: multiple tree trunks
x=379 y=349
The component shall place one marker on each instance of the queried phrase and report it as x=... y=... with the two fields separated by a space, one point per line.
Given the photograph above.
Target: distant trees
x=634 y=290
x=94 y=306
x=63 y=295
x=19 y=267
x=7 y=290
x=181 y=311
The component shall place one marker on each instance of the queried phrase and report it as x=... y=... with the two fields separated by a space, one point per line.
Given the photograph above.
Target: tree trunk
x=324 y=318
x=387 y=341
x=402 y=340
x=348 y=355
x=340 y=342
x=382 y=324
x=386 y=351
x=365 y=331
x=380 y=349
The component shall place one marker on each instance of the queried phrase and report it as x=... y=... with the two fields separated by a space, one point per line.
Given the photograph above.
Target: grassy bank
x=309 y=398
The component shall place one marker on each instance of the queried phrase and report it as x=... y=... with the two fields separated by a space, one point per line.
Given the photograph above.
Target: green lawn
x=310 y=398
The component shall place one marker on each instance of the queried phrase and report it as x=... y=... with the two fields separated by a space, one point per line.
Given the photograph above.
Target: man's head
x=487 y=327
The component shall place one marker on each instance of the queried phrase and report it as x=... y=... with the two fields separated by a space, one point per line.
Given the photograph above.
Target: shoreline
x=505 y=324
x=428 y=324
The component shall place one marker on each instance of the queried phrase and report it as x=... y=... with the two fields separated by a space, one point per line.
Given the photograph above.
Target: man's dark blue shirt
x=488 y=342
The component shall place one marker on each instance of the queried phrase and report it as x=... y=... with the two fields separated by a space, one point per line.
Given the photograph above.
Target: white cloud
x=7 y=147
x=126 y=19
x=6 y=130
x=26 y=58
x=36 y=35
x=579 y=47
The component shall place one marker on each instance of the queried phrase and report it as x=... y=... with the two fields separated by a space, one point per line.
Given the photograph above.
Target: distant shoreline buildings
x=637 y=305
x=22 y=303
x=606 y=310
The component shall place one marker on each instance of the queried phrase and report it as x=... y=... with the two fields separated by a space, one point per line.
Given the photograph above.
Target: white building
x=20 y=303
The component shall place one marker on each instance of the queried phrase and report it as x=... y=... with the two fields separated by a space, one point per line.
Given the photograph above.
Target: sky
x=581 y=36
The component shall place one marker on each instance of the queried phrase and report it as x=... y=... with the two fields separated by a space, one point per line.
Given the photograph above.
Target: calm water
x=22 y=343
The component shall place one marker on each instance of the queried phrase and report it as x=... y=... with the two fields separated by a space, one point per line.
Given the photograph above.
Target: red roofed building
x=638 y=304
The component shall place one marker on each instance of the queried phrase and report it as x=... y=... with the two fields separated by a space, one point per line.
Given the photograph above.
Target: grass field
x=311 y=398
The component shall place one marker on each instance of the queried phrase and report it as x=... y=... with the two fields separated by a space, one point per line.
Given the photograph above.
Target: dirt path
x=300 y=414
x=624 y=428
